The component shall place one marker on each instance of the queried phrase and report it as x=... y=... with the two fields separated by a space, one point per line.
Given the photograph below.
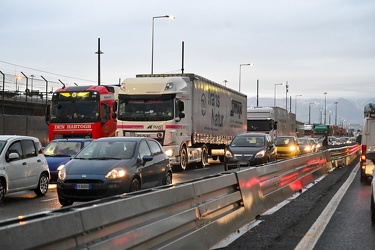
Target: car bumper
x=230 y=164
x=90 y=190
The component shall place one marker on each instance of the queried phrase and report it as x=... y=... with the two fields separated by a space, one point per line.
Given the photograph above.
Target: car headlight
x=116 y=173
x=62 y=172
x=169 y=152
x=292 y=148
x=307 y=148
x=228 y=154
x=260 y=154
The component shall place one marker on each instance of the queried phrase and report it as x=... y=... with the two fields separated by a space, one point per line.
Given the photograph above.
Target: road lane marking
x=312 y=236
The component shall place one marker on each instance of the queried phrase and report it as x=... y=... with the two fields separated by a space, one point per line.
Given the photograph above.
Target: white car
x=22 y=165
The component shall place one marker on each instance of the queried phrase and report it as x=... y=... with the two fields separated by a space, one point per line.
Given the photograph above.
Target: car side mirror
x=147 y=158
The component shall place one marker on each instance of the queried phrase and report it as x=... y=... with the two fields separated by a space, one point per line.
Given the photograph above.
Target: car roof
x=8 y=137
x=123 y=138
x=73 y=139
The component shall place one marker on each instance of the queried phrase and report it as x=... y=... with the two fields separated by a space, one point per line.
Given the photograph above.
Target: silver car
x=22 y=165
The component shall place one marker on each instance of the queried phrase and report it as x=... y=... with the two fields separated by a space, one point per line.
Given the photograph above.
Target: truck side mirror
x=114 y=110
x=181 y=108
x=275 y=125
x=48 y=113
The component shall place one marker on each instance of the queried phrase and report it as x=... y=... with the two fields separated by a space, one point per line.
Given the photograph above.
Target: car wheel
x=183 y=159
x=204 y=157
x=135 y=185
x=64 y=202
x=168 y=179
x=42 y=185
x=2 y=190
x=221 y=158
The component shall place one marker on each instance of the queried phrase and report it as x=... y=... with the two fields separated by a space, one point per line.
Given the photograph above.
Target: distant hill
x=349 y=111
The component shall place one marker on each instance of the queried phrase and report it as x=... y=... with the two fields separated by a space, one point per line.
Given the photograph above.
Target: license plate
x=83 y=186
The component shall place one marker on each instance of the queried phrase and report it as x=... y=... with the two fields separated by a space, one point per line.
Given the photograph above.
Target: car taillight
x=363 y=155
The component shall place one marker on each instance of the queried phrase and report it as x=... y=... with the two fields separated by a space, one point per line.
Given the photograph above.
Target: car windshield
x=250 y=141
x=108 y=150
x=303 y=142
x=280 y=141
x=62 y=148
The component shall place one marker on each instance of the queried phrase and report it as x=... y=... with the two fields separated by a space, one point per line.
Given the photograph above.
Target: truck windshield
x=259 y=125
x=78 y=107
x=150 y=108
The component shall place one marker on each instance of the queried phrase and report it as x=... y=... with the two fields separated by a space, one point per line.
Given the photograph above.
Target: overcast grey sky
x=316 y=46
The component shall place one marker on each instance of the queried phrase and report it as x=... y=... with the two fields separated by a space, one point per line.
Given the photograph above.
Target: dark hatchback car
x=59 y=151
x=249 y=149
x=112 y=166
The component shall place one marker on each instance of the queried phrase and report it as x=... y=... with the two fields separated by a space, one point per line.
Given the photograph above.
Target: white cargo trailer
x=192 y=117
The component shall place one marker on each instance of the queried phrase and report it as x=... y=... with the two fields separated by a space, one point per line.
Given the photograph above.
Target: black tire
x=135 y=185
x=168 y=179
x=2 y=190
x=183 y=159
x=221 y=158
x=204 y=157
x=42 y=185
x=64 y=202
x=372 y=209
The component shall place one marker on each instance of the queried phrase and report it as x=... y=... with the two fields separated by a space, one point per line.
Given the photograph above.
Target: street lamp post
x=32 y=82
x=239 y=81
x=310 y=111
x=329 y=117
x=295 y=105
x=336 y=113
x=152 y=48
x=325 y=107
x=274 y=93
x=286 y=95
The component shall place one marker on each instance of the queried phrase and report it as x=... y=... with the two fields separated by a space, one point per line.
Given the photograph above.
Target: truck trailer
x=368 y=143
x=192 y=117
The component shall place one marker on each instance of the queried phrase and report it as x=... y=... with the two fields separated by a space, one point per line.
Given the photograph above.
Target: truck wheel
x=204 y=157
x=183 y=158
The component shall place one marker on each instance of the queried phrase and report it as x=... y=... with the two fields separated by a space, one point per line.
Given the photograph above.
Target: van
x=368 y=143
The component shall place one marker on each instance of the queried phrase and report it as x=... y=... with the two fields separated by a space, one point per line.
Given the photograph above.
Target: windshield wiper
x=104 y=158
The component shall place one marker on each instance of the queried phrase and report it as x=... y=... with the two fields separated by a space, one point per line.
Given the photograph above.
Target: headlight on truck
x=169 y=152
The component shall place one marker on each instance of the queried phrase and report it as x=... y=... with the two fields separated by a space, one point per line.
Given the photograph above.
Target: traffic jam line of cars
x=83 y=169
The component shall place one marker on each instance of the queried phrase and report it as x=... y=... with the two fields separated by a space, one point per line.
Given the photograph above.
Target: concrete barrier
x=191 y=215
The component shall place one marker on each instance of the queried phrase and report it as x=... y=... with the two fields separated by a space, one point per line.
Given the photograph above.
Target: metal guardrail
x=191 y=215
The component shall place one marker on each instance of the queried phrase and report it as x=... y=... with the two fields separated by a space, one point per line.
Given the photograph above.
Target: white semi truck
x=368 y=143
x=274 y=121
x=192 y=117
